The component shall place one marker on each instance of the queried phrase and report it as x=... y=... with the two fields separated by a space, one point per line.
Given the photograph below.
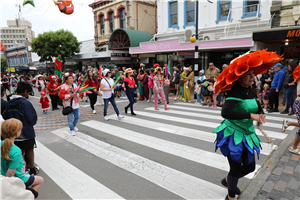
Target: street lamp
x=195 y=40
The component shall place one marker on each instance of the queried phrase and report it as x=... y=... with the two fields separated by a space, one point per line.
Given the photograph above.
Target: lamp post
x=195 y=40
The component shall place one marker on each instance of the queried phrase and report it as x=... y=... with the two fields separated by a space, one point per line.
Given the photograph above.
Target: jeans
x=54 y=100
x=284 y=95
x=130 y=96
x=167 y=91
x=199 y=97
x=113 y=103
x=73 y=123
x=290 y=99
x=151 y=93
x=220 y=98
x=181 y=91
x=93 y=100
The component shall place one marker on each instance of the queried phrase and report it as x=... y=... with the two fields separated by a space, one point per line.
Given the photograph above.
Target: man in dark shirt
x=5 y=83
x=3 y=102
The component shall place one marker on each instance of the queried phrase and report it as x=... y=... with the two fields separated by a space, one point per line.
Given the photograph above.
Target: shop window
x=111 y=21
x=102 y=25
x=25 y=58
x=173 y=14
x=21 y=59
x=223 y=10
x=122 y=18
x=251 y=8
x=189 y=13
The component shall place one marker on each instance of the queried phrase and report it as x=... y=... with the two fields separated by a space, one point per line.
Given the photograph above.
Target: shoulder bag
x=69 y=109
x=112 y=94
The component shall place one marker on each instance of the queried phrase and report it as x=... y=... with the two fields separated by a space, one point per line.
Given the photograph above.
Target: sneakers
x=34 y=170
x=75 y=129
x=183 y=99
x=73 y=133
x=190 y=101
x=106 y=118
x=213 y=107
x=120 y=117
x=156 y=108
x=94 y=112
x=285 y=125
x=46 y=112
x=167 y=108
x=126 y=109
x=175 y=99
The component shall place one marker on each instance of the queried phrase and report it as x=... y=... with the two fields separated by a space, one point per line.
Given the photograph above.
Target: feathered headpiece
x=259 y=61
x=296 y=73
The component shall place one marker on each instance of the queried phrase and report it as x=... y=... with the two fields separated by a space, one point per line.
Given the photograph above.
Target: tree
x=50 y=44
x=3 y=64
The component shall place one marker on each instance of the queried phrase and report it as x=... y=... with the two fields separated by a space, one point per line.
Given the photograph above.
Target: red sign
x=186 y=53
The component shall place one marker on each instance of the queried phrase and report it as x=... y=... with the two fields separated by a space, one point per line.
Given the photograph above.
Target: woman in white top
x=107 y=89
x=40 y=83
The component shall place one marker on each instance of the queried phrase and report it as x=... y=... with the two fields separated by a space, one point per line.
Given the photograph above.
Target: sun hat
x=105 y=72
x=296 y=73
x=128 y=70
x=258 y=61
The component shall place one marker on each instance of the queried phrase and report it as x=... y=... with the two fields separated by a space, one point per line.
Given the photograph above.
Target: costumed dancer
x=40 y=83
x=92 y=82
x=44 y=102
x=236 y=135
x=53 y=88
x=130 y=86
x=158 y=88
x=58 y=65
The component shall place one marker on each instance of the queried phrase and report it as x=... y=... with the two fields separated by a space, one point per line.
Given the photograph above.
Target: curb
x=257 y=183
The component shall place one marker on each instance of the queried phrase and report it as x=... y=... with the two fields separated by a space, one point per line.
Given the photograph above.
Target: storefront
x=285 y=41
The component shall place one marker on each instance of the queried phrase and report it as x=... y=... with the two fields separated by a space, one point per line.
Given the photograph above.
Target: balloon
x=1 y=46
x=68 y=10
x=31 y=2
x=193 y=39
x=67 y=2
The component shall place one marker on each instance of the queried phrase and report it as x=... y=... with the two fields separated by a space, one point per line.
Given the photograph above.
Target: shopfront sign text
x=293 y=33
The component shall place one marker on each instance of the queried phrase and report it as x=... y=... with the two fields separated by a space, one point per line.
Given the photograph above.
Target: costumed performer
x=40 y=83
x=236 y=135
x=53 y=88
x=92 y=82
x=130 y=86
x=58 y=65
x=158 y=82
x=44 y=102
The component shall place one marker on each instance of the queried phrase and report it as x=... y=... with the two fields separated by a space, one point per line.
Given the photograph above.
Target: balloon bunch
x=296 y=73
x=83 y=88
x=117 y=79
x=259 y=61
x=1 y=46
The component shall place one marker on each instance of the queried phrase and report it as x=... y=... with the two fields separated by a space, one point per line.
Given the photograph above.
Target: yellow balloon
x=193 y=39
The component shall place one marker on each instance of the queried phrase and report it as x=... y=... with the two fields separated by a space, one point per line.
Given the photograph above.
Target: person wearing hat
x=44 y=102
x=92 y=82
x=107 y=87
x=236 y=136
x=40 y=83
x=176 y=80
x=14 y=83
x=130 y=86
x=276 y=86
x=158 y=82
x=53 y=88
x=200 y=87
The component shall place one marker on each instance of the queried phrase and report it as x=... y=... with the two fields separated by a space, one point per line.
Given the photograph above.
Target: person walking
x=130 y=86
x=140 y=79
x=70 y=98
x=53 y=88
x=189 y=83
x=40 y=83
x=151 y=84
x=158 y=88
x=107 y=87
x=92 y=82
x=290 y=87
x=145 y=84
x=167 y=87
x=276 y=86
x=177 y=81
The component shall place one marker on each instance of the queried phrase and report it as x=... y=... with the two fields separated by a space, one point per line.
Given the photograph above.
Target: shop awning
x=23 y=68
x=126 y=38
x=281 y=35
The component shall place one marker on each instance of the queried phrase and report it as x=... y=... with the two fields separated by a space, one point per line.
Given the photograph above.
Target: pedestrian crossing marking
x=179 y=183
x=214 y=160
x=272 y=134
x=73 y=181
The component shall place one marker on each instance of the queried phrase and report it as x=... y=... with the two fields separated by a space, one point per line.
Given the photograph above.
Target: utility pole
x=196 y=59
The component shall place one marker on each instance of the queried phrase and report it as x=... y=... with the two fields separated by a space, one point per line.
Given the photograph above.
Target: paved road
x=154 y=155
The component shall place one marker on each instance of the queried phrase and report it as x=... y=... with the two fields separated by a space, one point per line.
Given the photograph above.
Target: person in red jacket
x=92 y=82
x=53 y=88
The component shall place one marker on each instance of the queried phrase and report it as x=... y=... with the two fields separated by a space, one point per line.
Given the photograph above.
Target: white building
x=225 y=30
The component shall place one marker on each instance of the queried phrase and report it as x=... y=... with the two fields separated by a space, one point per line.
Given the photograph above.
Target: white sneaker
x=72 y=133
x=106 y=118
x=175 y=99
x=285 y=125
x=76 y=129
x=120 y=117
x=190 y=101
x=94 y=112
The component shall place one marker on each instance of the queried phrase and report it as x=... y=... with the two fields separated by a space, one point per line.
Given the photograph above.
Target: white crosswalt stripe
x=194 y=107
x=197 y=155
x=184 y=185
x=73 y=181
x=185 y=132
x=214 y=117
x=271 y=134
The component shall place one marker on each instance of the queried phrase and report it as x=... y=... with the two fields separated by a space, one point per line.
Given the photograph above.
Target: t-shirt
x=4 y=84
x=130 y=83
x=15 y=154
x=107 y=94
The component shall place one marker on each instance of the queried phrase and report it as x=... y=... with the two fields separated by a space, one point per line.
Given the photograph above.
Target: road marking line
x=184 y=185
x=73 y=181
x=215 y=160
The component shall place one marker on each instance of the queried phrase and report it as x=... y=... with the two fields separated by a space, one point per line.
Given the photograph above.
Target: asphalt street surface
x=154 y=155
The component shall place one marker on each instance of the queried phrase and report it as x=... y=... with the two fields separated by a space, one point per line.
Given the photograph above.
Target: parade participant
x=265 y=96
x=158 y=88
x=13 y=83
x=44 y=102
x=150 y=84
x=140 y=79
x=80 y=81
x=107 y=87
x=183 y=76
x=40 y=83
x=70 y=98
x=92 y=82
x=130 y=86
x=53 y=88
x=145 y=84
x=236 y=136
x=11 y=156
x=189 y=83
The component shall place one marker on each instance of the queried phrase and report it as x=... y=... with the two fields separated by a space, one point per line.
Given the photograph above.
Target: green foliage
x=4 y=64
x=47 y=45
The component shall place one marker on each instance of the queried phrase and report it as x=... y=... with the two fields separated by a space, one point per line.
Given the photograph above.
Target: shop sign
x=276 y=35
x=120 y=58
x=293 y=33
x=120 y=55
x=186 y=53
x=11 y=69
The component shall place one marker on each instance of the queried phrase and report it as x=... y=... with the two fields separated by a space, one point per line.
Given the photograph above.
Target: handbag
x=210 y=88
x=69 y=109
x=112 y=94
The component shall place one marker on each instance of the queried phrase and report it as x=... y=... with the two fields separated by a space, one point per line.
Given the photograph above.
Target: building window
x=102 y=25
x=173 y=14
x=14 y=36
x=4 y=41
x=223 y=10
x=23 y=31
x=13 y=31
x=251 y=8
x=189 y=13
x=6 y=31
x=21 y=59
x=25 y=56
x=122 y=18
x=111 y=22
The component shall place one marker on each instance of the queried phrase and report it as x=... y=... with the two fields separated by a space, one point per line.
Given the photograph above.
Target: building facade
x=225 y=30
x=16 y=33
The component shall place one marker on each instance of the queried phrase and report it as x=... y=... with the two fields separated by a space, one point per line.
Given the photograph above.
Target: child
x=11 y=156
x=44 y=102
x=182 y=77
x=198 y=91
x=206 y=93
x=265 y=95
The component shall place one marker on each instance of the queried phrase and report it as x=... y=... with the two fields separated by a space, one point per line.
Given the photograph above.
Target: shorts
x=258 y=87
x=177 y=86
x=26 y=144
x=30 y=181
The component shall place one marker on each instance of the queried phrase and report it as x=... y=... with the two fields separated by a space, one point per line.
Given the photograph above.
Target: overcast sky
x=47 y=17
